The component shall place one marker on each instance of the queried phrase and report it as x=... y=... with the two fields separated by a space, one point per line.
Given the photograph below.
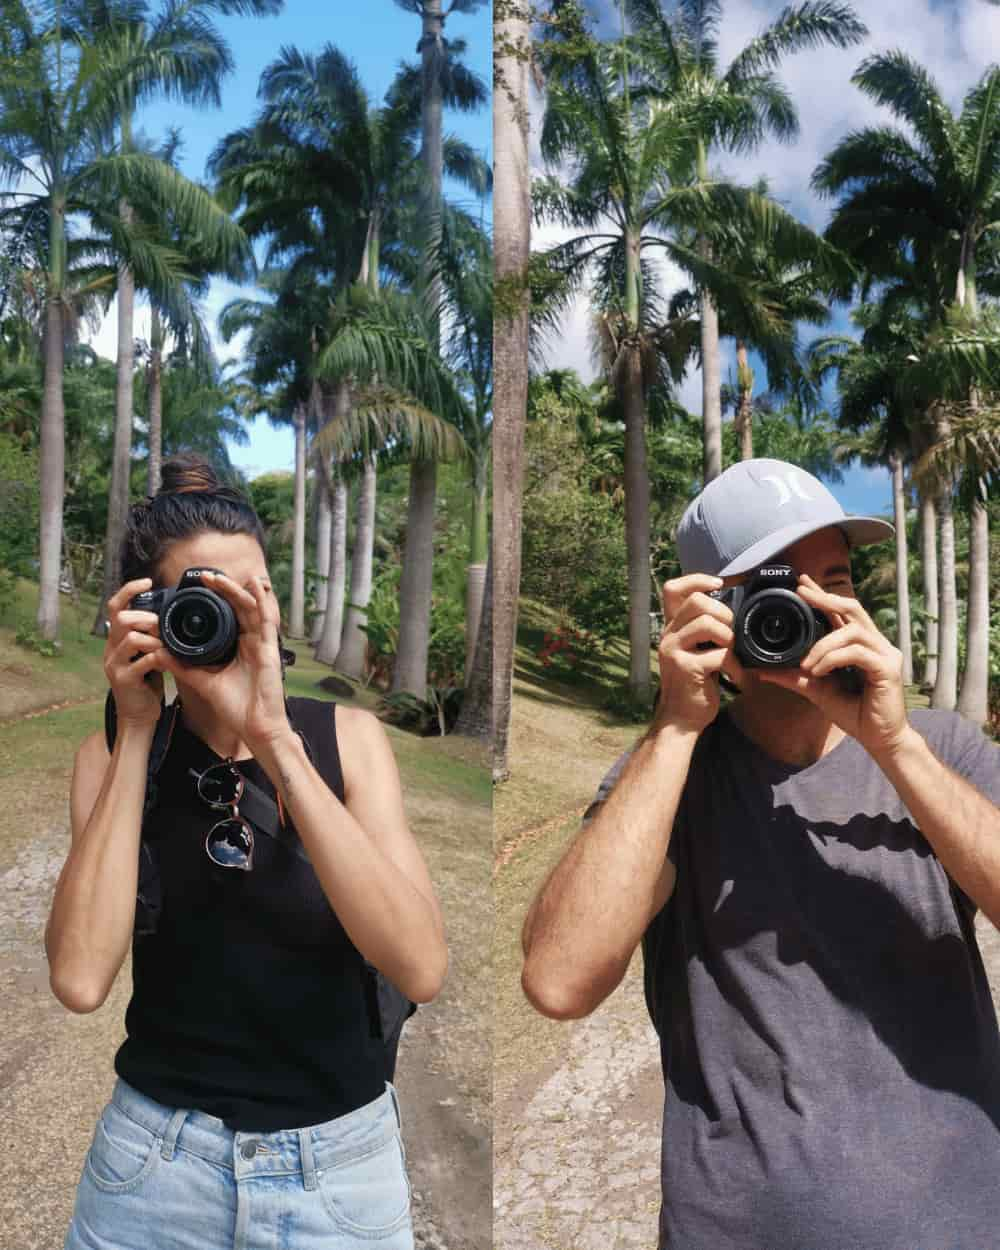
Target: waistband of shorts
x=301 y=1151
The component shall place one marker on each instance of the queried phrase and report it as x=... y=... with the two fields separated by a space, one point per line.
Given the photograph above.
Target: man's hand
x=876 y=717
x=695 y=647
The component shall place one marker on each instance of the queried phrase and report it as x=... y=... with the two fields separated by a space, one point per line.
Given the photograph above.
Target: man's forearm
x=392 y=924
x=592 y=911
x=961 y=824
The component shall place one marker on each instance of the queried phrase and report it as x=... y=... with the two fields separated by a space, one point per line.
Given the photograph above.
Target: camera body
x=196 y=625
x=774 y=627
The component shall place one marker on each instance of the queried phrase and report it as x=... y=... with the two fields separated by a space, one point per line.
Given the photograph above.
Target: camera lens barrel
x=775 y=628
x=199 y=627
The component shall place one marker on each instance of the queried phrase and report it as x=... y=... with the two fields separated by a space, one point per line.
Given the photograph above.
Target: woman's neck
x=197 y=716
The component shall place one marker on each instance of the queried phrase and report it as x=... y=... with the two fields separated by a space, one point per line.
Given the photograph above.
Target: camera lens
x=776 y=629
x=200 y=627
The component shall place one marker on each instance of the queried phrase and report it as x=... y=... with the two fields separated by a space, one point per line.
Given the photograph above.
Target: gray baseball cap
x=755 y=510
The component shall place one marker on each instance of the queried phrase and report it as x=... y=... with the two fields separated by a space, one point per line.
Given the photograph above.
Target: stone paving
x=579 y=1168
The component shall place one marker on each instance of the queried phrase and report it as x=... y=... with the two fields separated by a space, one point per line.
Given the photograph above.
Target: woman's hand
x=132 y=653
x=248 y=694
x=876 y=717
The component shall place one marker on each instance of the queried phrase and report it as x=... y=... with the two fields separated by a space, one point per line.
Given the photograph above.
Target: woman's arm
x=363 y=852
x=93 y=910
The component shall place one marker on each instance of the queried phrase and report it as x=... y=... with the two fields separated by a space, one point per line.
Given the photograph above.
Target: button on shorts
x=156 y=1178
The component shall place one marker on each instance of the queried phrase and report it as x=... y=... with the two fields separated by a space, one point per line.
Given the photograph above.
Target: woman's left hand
x=248 y=694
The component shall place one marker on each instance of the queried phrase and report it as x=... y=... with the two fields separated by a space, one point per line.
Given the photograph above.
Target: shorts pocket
x=369 y=1195
x=122 y=1154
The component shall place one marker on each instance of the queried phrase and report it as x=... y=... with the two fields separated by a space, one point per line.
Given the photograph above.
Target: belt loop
x=172 y=1133
x=395 y=1103
x=308 y=1163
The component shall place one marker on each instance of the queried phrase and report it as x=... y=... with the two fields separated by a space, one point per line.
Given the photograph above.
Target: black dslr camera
x=774 y=627
x=196 y=625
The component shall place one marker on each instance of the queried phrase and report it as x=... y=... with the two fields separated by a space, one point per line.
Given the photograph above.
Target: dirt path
x=56 y=1068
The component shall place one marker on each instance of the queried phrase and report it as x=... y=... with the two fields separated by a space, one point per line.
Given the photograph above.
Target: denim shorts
x=156 y=1178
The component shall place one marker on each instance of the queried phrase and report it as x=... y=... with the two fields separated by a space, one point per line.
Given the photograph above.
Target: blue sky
x=377 y=35
x=955 y=40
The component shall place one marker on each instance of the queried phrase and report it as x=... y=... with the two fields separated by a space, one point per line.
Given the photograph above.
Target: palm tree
x=933 y=198
x=57 y=114
x=622 y=146
x=734 y=109
x=511 y=249
x=444 y=81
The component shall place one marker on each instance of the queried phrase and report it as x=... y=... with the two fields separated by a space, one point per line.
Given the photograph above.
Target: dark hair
x=191 y=500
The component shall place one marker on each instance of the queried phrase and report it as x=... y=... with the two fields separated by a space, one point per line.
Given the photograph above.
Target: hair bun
x=185 y=472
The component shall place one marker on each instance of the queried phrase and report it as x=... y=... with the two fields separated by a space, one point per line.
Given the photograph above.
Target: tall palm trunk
x=637 y=529
x=410 y=672
x=511 y=247
x=711 y=367
x=945 y=688
x=122 y=456
x=475 y=720
x=52 y=465
x=329 y=642
x=475 y=586
x=297 y=625
x=744 y=413
x=903 y=625
x=354 y=646
x=929 y=573
x=323 y=519
x=974 y=699
x=154 y=389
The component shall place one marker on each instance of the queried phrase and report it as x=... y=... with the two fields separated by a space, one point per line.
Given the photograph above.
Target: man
x=803 y=868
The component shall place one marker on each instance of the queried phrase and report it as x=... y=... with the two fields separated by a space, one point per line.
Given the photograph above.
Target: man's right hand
x=689 y=685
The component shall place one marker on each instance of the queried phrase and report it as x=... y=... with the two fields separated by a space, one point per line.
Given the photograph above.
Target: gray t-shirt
x=829 y=1044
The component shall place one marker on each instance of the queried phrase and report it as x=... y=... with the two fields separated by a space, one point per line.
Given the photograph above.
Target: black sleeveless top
x=249 y=1001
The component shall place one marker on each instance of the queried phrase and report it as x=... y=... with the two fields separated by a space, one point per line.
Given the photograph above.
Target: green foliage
x=18 y=505
x=573 y=557
x=28 y=639
x=436 y=714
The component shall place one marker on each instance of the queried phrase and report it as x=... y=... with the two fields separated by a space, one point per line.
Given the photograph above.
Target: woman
x=251 y=1107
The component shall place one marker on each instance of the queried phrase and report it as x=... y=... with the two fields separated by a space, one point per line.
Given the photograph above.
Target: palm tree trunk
x=475 y=585
x=52 y=468
x=475 y=720
x=323 y=519
x=929 y=571
x=329 y=643
x=297 y=619
x=154 y=387
x=410 y=671
x=974 y=700
x=903 y=626
x=637 y=530
x=711 y=367
x=118 y=493
x=945 y=688
x=354 y=646
x=511 y=244
x=744 y=413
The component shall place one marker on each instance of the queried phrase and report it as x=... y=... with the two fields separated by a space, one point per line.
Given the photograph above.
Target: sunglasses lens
x=230 y=844
x=220 y=786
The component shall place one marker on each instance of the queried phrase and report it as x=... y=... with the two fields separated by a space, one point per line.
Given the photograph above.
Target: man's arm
x=961 y=824
x=591 y=913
